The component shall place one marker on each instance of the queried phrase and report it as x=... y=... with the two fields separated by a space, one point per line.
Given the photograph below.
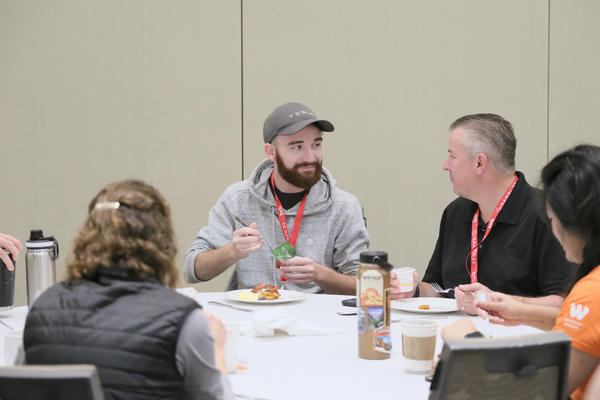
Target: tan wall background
x=176 y=92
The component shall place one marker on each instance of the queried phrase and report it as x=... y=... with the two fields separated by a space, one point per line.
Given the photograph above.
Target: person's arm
x=211 y=263
x=465 y=296
x=333 y=282
x=552 y=300
x=219 y=245
x=581 y=365
x=593 y=389
x=504 y=309
x=458 y=329
x=425 y=290
x=200 y=358
x=304 y=270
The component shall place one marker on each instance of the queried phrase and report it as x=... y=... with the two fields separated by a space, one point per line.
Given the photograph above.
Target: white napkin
x=266 y=322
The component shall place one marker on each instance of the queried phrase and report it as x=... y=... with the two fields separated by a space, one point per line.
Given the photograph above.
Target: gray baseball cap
x=291 y=118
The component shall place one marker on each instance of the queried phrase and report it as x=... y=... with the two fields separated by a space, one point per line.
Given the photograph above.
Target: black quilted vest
x=128 y=329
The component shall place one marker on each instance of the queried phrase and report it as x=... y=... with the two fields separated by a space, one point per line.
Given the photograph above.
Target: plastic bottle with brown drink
x=373 y=306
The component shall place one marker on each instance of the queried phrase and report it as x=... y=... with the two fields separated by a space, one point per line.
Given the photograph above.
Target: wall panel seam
x=548 y=88
x=242 y=84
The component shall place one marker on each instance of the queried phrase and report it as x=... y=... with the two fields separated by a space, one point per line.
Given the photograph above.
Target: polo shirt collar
x=513 y=208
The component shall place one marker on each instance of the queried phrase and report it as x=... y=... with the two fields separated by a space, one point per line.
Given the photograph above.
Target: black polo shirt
x=520 y=256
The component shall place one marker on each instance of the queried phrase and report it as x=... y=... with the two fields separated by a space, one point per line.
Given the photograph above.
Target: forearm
x=333 y=282
x=425 y=290
x=539 y=316
x=220 y=363
x=211 y=263
x=581 y=365
x=552 y=300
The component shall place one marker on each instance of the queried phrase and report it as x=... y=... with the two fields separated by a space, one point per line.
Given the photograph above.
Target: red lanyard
x=474 y=225
x=281 y=215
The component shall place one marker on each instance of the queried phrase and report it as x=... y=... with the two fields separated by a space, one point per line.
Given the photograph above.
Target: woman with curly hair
x=116 y=309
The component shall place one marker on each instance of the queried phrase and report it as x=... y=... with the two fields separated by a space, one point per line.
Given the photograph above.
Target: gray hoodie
x=332 y=233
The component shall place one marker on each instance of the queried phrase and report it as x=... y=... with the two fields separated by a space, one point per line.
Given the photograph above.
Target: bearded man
x=289 y=198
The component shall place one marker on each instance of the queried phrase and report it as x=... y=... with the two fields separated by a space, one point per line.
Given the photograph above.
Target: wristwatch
x=475 y=334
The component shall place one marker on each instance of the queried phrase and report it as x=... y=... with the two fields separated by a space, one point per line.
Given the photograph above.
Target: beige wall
x=574 y=104
x=94 y=91
x=176 y=92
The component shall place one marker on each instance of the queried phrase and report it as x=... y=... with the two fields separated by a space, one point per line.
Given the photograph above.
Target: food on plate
x=424 y=307
x=266 y=291
x=248 y=296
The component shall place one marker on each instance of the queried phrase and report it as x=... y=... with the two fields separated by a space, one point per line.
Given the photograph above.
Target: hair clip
x=107 y=205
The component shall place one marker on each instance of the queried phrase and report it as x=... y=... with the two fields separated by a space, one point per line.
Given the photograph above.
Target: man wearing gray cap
x=289 y=198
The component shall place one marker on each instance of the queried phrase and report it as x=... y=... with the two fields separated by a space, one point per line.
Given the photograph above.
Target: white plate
x=285 y=296
x=436 y=305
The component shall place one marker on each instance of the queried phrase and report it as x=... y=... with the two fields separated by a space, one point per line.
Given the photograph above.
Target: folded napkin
x=265 y=323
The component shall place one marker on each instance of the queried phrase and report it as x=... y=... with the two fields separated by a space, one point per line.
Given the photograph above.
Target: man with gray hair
x=494 y=236
x=290 y=199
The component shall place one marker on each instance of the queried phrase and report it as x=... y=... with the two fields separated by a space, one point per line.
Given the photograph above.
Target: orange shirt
x=579 y=317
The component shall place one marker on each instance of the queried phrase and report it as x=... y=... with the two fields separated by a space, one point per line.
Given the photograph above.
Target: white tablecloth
x=312 y=367
x=328 y=367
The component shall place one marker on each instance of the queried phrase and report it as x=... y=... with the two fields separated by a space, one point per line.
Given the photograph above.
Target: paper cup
x=234 y=330
x=418 y=344
x=12 y=342
x=404 y=276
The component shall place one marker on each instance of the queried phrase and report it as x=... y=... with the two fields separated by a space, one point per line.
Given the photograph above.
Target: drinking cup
x=404 y=276
x=418 y=344
x=233 y=330
x=7 y=286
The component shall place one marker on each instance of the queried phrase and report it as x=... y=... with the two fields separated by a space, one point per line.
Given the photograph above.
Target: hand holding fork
x=464 y=295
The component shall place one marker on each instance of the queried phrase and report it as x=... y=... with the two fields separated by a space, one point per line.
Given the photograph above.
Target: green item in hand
x=284 y=251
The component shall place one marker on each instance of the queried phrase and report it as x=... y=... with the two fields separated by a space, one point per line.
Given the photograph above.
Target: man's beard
x=292 y=176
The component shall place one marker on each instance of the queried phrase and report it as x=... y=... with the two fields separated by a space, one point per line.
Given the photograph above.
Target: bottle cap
x=376 y=257
x=38 y=241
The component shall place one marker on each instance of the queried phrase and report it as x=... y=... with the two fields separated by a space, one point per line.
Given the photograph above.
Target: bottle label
x=375 y=340
x=383 y=339
x=361 y=321
x=371 y=289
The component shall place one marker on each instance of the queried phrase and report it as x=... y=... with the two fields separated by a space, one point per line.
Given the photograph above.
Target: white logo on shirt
x=578 y=311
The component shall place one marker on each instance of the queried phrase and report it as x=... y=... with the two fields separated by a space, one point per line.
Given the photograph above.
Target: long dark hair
x=572 y=190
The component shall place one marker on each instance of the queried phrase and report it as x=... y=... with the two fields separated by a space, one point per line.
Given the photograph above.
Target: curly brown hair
x=137 y=236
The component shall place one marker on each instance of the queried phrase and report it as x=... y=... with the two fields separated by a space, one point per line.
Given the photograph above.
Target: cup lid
x=376 y=257
x=38 y=241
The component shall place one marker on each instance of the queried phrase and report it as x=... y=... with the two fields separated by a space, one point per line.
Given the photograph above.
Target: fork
x=439 y=289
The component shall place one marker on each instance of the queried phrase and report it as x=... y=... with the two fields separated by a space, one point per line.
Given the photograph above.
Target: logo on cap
x=298 y=113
